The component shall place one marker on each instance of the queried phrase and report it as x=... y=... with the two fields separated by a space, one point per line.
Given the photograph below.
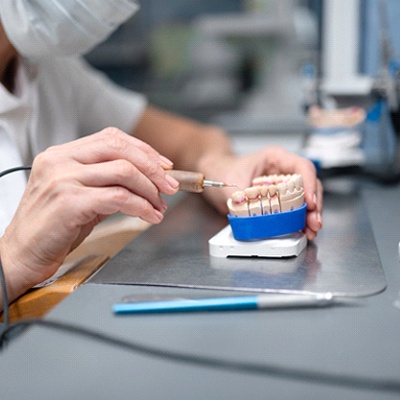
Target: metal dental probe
x=195 y=181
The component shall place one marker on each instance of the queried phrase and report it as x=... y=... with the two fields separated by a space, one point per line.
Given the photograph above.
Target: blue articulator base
x=261 y=227
x=273 y=235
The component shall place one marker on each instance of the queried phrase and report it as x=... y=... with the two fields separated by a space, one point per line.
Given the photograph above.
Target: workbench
x=359 y=339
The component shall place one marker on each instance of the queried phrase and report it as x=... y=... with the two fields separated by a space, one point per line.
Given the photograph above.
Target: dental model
x=266 y=219
x=254 y=200
x=269 y=195
x=344 y=117
x=274 y=201
x=272 y=206
x=238 y=204
x=265 y=200
x=291 y=194
x=335 y=137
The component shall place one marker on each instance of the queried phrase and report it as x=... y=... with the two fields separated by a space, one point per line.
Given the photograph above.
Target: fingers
x=112 y=200
x=313 y=196
x=131 y=174
x=124 y=174
x=314 y=212
x=112 y=144
x=313 y=189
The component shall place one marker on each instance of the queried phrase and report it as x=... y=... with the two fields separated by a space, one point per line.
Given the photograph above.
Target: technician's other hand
x=240 y=170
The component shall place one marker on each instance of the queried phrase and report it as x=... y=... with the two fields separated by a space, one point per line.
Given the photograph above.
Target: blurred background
x=205 y=58
x=256 y=66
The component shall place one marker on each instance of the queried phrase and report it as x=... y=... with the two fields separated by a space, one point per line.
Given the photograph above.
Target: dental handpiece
x=194 y=181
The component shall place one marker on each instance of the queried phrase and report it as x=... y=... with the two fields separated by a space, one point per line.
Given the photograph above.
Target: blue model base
x=261 y=227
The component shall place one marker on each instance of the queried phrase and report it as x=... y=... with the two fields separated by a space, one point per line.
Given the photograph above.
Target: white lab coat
x=56 y=100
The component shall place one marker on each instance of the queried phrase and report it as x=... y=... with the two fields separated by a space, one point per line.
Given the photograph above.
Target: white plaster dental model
x=265 y=200
x=291 y=194
x=335 y=137
x=269 y=195
x=253 y=200
x=238 y=204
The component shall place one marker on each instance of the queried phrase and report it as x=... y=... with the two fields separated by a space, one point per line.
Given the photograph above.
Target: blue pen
x=226 y=303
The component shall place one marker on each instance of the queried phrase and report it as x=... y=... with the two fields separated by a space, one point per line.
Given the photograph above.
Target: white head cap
x=62 y=27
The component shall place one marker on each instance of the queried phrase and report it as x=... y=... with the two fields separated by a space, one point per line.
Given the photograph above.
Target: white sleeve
x=100 y=102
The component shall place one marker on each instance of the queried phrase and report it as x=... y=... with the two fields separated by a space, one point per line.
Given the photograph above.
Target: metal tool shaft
x=208 y=183
x=194 y=181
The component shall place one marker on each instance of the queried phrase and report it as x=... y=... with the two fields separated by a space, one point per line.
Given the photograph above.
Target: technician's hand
x=240 y=170
x=71 y=188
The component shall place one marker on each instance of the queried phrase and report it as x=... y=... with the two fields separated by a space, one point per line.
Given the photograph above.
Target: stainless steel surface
x=357 y=340
x=342 y=260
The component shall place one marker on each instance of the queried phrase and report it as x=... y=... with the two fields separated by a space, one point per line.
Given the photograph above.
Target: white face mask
x=62 y=27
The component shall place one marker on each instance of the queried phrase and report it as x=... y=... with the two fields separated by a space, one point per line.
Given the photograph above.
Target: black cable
x=21 y=168
x=347 y=381
x=351 y=382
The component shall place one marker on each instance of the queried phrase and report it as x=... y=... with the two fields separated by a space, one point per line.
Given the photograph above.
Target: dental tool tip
x=208 y=183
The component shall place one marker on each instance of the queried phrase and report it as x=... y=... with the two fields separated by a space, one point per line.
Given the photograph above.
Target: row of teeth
x=268 y=195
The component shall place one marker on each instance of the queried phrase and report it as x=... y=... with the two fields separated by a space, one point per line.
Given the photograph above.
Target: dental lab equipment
x=348 y=78
x=195 y=181
x=236 y=303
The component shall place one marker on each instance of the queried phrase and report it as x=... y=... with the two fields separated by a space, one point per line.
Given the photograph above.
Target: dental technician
x=96 y=149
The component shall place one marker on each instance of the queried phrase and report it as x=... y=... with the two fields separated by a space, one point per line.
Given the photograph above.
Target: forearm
x=187 y=143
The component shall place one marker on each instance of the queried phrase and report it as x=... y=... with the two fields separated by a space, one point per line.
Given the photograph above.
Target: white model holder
x=223 y=244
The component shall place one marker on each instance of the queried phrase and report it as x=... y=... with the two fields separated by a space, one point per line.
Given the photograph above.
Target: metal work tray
x=343 y=259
